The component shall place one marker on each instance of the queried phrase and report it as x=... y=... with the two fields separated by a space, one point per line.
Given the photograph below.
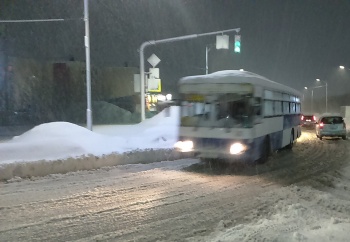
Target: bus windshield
x=222 y=110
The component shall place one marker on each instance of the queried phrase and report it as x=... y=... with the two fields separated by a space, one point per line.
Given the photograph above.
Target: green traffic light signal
x=237 y=48
x=237 y=44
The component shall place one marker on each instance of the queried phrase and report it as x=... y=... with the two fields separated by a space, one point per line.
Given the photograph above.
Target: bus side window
x=257 y=110
x=257 y=106
x=221 y=109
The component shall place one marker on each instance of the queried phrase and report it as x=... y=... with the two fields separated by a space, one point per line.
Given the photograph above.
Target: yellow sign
x=154 y=85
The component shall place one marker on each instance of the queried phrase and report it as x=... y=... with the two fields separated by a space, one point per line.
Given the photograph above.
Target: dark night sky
x=292 y=42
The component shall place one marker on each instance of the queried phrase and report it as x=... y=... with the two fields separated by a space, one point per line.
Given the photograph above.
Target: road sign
x=154 y=85
x=137 y=81
x=222 y=42
x=153 y=73
x=153 y=60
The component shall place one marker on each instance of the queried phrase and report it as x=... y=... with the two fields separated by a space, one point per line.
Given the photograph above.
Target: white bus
x=236 y=115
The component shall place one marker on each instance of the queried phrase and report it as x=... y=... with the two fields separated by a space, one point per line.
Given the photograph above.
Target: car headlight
x=184 y=146
x=237 y=148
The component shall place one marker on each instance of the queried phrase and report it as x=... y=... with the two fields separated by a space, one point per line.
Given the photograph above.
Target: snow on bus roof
x=237 y=76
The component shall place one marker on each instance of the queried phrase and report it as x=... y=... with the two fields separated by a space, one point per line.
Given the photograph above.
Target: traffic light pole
x=206 y=59
x=88 y=72
x=155 y=42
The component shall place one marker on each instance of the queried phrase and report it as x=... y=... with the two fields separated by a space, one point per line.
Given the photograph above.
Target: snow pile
x=56 y=141
x=62 y=147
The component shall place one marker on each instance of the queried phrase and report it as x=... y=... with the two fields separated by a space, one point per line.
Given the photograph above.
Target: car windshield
x=225 y=110
x=332 y=120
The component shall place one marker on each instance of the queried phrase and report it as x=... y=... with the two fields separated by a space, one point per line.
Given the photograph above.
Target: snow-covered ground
x=299 y=213
x=299 y=195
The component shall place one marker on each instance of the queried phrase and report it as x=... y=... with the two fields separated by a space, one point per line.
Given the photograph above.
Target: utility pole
x=312 y=101
x=3 y=68
x=88 y=72
x=206 y=59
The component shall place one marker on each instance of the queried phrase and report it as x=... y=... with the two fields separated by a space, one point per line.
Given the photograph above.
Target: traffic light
x=237 y=44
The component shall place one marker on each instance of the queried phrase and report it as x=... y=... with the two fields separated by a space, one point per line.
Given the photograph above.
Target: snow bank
x=61 y=147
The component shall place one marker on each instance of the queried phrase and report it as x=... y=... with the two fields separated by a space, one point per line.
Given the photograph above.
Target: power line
x=37 y=20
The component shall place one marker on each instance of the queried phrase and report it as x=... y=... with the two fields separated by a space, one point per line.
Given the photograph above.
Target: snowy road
x=164 y=201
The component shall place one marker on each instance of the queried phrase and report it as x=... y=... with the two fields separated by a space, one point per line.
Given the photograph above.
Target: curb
x=90 y=162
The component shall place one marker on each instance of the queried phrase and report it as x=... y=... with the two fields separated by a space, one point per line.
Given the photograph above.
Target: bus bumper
x=207 y=154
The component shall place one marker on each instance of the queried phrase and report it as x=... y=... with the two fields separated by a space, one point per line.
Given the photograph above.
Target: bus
x=236 y=115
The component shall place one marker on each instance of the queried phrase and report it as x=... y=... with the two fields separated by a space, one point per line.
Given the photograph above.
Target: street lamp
x=312 y=95
x=304 y=94
x=326 y=93
x=344 y=67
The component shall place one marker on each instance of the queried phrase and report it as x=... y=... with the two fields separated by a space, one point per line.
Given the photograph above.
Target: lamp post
x=326 y=93
x=312 y=97
x=207 y=49
x=305 y=88
x=304 y=94
x=312 y=100
x=88 y=72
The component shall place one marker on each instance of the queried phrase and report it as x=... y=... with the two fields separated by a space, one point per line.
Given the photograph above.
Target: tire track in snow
x=156 y=203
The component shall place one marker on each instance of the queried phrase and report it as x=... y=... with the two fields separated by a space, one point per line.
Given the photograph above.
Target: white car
x=331 y=126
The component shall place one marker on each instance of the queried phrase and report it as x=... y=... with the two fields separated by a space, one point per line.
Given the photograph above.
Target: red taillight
x=302 y=117
x=314 y=118
x=321 y=125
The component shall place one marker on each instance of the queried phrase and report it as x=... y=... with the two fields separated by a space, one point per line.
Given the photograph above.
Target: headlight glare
x=237 y=148
x=184 y=146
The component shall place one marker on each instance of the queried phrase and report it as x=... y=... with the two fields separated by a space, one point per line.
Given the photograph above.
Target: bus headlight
x=237 y=148
x=184 y=146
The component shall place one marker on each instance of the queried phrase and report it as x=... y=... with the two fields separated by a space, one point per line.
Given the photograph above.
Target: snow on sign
x=153 y=60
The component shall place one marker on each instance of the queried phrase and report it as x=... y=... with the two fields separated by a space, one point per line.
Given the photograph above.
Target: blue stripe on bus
x=276 y=139
x=290 y=121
